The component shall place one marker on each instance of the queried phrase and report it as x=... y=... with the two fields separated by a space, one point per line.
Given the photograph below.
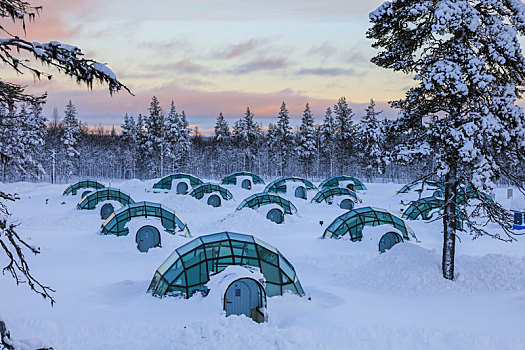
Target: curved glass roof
x=73 y=188
x=259 y=199
x=352 y=223
x=334 y=182
x=189 y=267
x=232 y=178
x=166 y=181
x=422 y=207
x=331 y=192
x=279 y=185
x=115 y=224
x=420 y=185
x=91 y=200
x=199 y=191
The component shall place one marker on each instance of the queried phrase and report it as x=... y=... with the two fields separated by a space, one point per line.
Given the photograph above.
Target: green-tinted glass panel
x=272 y=289
x=267 y=255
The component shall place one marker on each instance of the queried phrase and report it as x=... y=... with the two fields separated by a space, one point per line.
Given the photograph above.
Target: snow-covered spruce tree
x=328 y=141
x=469 y=68
x=248 y=136
x=128 y=138
x=222 y=130
x=371 y=141
x=271 y=145
x=344 y=132
x=284 y=140
x=221 y=144
x=70 y=138
x=306 y=145
x=171 y=139
x=184 y=140
x=154 y=133
x=142 y=148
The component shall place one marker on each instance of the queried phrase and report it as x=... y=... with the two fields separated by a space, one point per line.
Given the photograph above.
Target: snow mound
x=410 y=269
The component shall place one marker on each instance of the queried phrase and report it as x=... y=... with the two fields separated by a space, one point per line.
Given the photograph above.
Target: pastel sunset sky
x=212 y=56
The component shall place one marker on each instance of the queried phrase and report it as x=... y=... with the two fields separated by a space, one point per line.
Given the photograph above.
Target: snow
x=356 y=297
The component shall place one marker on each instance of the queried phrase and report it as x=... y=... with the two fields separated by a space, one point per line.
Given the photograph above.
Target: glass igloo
x=188 y=268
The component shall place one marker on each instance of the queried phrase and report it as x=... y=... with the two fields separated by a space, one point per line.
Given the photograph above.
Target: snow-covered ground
x=359 y=299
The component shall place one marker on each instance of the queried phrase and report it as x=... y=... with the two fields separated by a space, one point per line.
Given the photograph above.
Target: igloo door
x=346 y=204
x=300 y=192
x=245 y=297
x=275 y=215
x=214 y=201
x=246 y=184
x=106 y=210
x=389 y=240
x=182 y=188
x=147 y=237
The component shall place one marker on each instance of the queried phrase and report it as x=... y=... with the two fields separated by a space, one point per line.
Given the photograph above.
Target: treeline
x=160 y=142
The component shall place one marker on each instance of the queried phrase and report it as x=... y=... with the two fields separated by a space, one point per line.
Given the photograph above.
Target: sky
x=216 y=56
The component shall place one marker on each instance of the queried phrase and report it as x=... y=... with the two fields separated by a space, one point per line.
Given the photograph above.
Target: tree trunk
x=449 y=224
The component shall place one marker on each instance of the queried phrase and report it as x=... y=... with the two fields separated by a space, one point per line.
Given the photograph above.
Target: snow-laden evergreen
x=371 y=140
x=222 y=130
x=306 y=145
x=469 y=68
x=328 y=140
x=70 y=139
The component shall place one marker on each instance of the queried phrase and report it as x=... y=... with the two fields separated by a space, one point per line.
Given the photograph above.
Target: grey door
x=147 y=237
x=246 y=184
x=106 y=210
x=389 y=240
x=182 y=188
x=214 y=201
x=275 y=215
x=300 y=192
x=346 y=204
x=241 y=297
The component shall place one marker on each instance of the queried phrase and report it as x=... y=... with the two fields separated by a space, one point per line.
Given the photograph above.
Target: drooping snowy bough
x=468 y=64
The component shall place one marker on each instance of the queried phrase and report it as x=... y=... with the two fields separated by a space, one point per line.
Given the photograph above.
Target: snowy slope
x=358 y=298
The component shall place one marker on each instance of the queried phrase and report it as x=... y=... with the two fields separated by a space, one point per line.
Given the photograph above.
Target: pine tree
x=34 y=129
x=172 y=137
x=469 y=69
x=344 y=131
x=248 y=136
x=371 y=141
x=306 y=145
x=128 y=137
x=328 y=140
x=154 y=132
x=222 y=131
x=70 y=138
x=184 y=140
x=284 y=144
x=272 y=144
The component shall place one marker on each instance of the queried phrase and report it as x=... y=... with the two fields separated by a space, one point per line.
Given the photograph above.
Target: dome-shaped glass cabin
x=422 y=208
x=115 y=224
x=73 y=188
x=328 y=194
x=299 y=185
x=351 y=223
x=343 y=181
x=181 y=181
x=188 y=268
x=90 y=201
x=207 y=188
x=257 y=200
x=246 y=178
x=420 y=185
